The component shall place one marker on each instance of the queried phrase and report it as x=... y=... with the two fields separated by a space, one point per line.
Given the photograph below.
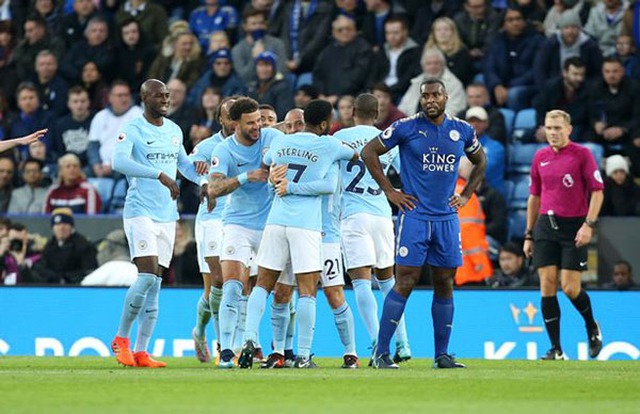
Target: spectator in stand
x=36 y=38
x=95 y=46
x=220 y=75
x=134 y=54
x=496 y=155
x=38 y=151
x=478 y=95
x=345 y=114
x=73 y=25
x=305 y=94
x=614 y=110
x=427 y=13
x=627 y=52
x=184 y=63
x=444 y=36
x=256 y=41
x=211 y=17
x=72 y=189
x=622 y=276
x=513 y=270
x=605 y=24
x=621 y=193
x=31 y=117
x=152 y=18
x=387 y=111
x=343 y=66
x=92 y=81
x=509 y=71
x=52 y=89
x=550 y=23
x=207 y=123
x=50 y=12
x=29 y=199
x=8 y=73
x=268 y=116
x=354 y=9
x=106 y=126
x=373 y=30
x=305 y=32
x=179 y=111
x=17 y=256
x=477 y=24
x=5 y=223
x=569 y=42
x=68 y=256
x=7 y=169
x=398 y=60
x=494 y=205
x=434 y=65
x=271 y=87
x=274 y=11
x=72 y=131
x=568 y=92
x=533 y=12
x=218 y=40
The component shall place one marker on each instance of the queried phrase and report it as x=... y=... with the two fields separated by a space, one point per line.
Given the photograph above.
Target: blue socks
x=215 y=296
x=242 y=319
x=203 y=315
x=346 y=328
x=391 y=313
x=306 y=324
x=148 y=318
x=229 y=310
x=255 y=309
x=280 y=317
x=367 y=306
x=442 y=314
x=134 y=301
x=386 y=286
x=291 y=328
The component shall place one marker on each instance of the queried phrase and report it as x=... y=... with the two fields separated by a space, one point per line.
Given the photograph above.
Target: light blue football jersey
x=331 y=209
x=202 y=152
x=360 y=192
x=248 y=206
x=142 y=151
x=309 y=158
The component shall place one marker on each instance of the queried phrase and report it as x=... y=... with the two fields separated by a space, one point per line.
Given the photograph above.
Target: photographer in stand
x=17 y=256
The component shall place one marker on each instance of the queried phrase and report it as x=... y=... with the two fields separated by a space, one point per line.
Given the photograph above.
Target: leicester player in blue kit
x=431 y=144
x=236 y=169
x=148 y=151
x=208 y=231
x=293 y=234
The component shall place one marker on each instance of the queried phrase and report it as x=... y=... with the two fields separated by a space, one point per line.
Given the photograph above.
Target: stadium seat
x=597 y=151
x=104 y=186
x=519 y=196
x=118 y=195
x=509 y=116
x=508 y=189
x=520 y=157
x=517 y=224
x=524 y=125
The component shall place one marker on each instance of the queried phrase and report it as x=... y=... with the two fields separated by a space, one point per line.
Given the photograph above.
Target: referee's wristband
x=591 y=223
x=243 y=178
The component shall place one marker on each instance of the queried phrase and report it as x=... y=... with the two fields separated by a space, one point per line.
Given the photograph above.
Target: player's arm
x=371 y=156
x=326 y=185
x=188 y=169
x=221 y=185
x=592 y=176
x=26 y=140
x=533 y=210
x=479 y=160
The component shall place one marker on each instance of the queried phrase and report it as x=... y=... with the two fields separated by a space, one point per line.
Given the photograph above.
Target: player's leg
x=289 y=355
x=387 y=280
x=203 y=316
x=307 y=288
x=280 y=318
x=550 y=308
x=215 y=296
x=143 y=249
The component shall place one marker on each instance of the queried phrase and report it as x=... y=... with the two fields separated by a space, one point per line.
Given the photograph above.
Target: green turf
x=97 y=385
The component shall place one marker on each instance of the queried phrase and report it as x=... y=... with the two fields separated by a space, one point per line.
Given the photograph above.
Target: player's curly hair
x=317 y=111
x=242 y=106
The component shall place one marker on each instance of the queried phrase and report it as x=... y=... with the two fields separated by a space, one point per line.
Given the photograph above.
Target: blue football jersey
x=361 y=193
x=309 y=158
x=429 y=155
x=331 y=211
x=142 y=151
x=248 y=205
x=202 y=152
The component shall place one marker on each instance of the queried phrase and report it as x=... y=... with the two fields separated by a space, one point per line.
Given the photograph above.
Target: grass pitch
x=98 y=385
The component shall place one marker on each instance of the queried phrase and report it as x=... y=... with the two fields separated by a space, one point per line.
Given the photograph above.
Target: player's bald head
x=151 y=86
x=365 y=106
x=294 y=114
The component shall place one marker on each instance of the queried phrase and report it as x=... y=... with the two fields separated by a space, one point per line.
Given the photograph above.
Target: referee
x=562 y=211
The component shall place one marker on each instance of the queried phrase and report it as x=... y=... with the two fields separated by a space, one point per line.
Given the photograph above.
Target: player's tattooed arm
x=221 y=185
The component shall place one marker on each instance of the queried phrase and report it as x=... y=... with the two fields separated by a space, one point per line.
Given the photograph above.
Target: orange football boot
x=121 y=347
x=144 y=360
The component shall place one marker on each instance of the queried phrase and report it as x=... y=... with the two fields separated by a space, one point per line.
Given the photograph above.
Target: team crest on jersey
x=403 y=251
x=387 y=133
x=597 y=176
x=121 y=137
x=175 y=141
x=454 y=135
x=212 y=245
x=215 y=161
x=142 y=244
x=230 y=250
x=567 y=180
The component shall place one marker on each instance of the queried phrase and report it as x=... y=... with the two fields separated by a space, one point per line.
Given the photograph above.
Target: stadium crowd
x=75 y=66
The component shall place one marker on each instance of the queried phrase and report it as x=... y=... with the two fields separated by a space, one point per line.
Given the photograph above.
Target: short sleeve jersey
x=361 y=193
x=429 y=155
x=248 y=206
x=309 y=158
x=563 y=180
x=331 y=212
x=203 y=152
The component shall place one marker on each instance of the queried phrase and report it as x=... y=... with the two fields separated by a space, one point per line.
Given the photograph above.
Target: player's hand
x=277 y=173
x=201 y=167
x=612 y=133
x=528 y=248
x=258 y=175
x=281 y=187
x=33 y=137
x=599 y=127
x=404 y=202
x=583 y=236
x=458 y=201
x=204 y=195
x=170 y=184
